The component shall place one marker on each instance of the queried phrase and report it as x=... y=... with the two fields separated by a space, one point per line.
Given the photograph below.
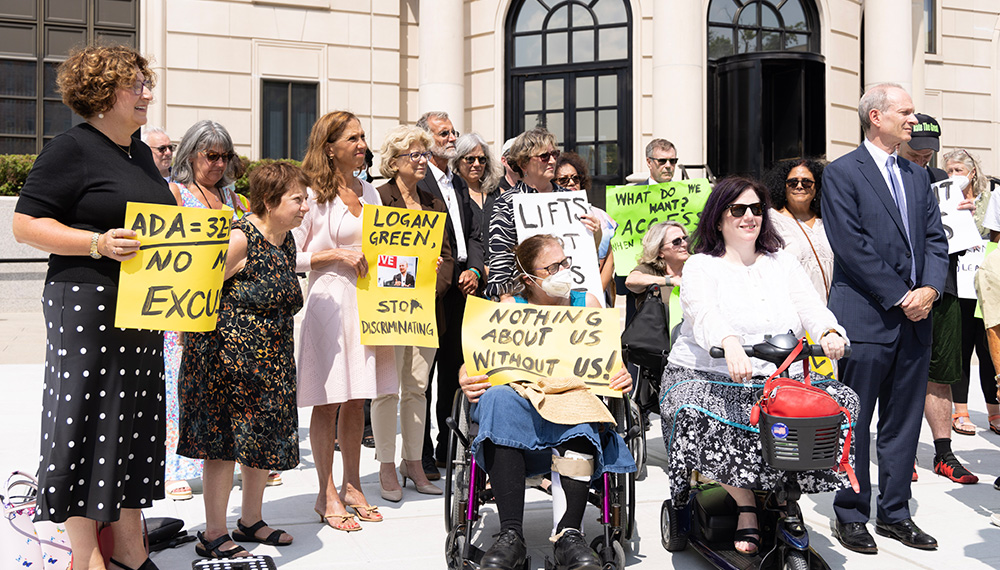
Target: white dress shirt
x=454 y=212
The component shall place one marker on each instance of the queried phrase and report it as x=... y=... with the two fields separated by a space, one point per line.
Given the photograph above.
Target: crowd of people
x=851 y=252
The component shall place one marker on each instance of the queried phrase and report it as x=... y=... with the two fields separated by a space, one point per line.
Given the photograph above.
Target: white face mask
x=961 y=181
x=558 y=285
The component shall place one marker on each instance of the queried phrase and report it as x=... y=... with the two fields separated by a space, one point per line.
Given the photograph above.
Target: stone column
x=152 y=42
x=889 y=43
x=679 y=79
x=442 y=66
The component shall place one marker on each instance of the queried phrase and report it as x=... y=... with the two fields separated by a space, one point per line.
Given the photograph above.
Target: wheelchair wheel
x=454 y=548
x=456 y=486
x=795 y=560
x=621 y=410
x=637 y=445
x=613 y=557
x=673 y=539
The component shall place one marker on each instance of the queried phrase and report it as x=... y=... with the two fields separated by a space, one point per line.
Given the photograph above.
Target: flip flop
x=366 y=512
x=325 y=519
x=178 y=490
x=273 y=479
x=249 y=534
x=962 y=427
x=994 y=428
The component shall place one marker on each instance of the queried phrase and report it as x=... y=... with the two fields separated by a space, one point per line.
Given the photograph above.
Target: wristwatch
x=93 y=246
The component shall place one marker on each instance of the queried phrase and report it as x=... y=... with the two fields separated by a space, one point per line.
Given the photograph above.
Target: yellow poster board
x=510 y=342
x=174 y=283
x=396 y=301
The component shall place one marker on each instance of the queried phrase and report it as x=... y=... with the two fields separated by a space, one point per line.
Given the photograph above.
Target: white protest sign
x=959 y=227
x=558 y=213
x=968 y=264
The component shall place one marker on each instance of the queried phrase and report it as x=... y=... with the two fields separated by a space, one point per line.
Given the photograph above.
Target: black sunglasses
x=553 y=268
x=547 y=156
x=662 y=161
x=738 y=210
x=212 y=156
x=165 y=147
x=470 y=160
x=794 y=183
x=445 y=134
x=676 y=242
x=565 y=180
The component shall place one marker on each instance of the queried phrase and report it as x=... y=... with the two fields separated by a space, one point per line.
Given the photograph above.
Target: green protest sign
x=635 y=208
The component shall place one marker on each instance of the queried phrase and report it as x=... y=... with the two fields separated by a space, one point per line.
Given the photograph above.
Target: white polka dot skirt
x=103 y=409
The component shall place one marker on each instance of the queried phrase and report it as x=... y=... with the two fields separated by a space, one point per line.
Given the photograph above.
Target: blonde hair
x=397 y=143
x=526 y=144
x=652 y=242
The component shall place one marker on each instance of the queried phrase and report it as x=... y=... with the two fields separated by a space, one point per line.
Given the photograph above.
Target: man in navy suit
x=891 y=258
x=465 y=237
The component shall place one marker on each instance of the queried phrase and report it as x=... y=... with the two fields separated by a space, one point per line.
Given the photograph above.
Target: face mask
x=960 y=181
x=361 y=175
x=558 y=285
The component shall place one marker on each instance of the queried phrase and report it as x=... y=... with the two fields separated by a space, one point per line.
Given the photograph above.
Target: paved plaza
x=412 y=535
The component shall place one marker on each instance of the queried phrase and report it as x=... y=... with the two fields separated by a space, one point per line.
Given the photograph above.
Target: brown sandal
x=963 y=427
x=993 y=427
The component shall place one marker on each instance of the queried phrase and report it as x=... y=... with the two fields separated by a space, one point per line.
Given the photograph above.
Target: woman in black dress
x=102 y=448
x=237 y=388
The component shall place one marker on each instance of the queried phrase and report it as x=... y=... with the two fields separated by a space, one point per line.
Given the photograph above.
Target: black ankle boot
x=507 y=553
x=573 y=553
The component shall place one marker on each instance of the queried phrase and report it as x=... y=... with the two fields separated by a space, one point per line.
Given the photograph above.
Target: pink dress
x=333 y=365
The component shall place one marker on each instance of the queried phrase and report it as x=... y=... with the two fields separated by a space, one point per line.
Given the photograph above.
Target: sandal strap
x=119 y=564
x=957 y=415
x=251 y=530
x=274 y=539
x=746 y=509
x=991 y=418
x=214 y=546
x=751 y=535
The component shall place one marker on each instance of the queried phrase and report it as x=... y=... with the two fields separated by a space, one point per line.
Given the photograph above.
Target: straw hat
x=564 y=401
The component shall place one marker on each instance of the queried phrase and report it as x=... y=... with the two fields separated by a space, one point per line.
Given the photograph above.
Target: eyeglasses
x=165 y=147
x=138 y=86
x=470 y=160
x=567 y=180
x=553 y=268
x=794 y=183
x=212 y=156
x=677 y=242
x=738 y=210
x=547 y=156
x=416 y=156
x=662 y=161
x=446 y=134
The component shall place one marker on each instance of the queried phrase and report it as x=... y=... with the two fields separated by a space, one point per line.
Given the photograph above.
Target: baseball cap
x=506 y=146
x=926 y=133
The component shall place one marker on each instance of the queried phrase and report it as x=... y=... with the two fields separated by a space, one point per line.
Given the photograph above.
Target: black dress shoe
x=430 y=470
x=855 y=536
x=907 y=532
x=507 y=553
x=573 y=553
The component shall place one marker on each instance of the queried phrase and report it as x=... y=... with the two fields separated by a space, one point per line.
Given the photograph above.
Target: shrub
x=243 y=182
x=14 y=169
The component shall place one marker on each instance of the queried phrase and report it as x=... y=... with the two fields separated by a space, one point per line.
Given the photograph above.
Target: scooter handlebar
x=768 y=352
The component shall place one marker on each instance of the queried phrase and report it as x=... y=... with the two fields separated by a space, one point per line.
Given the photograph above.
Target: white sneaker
x=995 y=519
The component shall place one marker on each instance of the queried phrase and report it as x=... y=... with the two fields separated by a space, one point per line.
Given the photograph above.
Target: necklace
x=126 y=149
x=203 y=195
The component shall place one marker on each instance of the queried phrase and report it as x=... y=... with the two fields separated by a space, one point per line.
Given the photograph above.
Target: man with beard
x=464 y=236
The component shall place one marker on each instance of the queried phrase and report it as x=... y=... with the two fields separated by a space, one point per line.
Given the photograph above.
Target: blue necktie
x=900 y=198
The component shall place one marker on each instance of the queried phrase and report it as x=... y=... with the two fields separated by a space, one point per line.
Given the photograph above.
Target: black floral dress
x=237 y=388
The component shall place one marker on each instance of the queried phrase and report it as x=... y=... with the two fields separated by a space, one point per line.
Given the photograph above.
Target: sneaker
x=948 y=466
x=572 y=551
x=507 y=553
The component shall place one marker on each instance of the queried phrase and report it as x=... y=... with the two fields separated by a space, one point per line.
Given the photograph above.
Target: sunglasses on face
x=139 y=85
x=738 y=210
x=662 y=161
x=212 y=156
x=794 y=183
x=553 y=268
x=567 y=180
x=677 y=242
x=470 y=160
x=165 y=147
x=416 y=156
x=446 y=134
x=547 y=156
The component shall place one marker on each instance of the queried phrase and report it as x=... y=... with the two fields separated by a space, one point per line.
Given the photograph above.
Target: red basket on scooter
x=800 y=444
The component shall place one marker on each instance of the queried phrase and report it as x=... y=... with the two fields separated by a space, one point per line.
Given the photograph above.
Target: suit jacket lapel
x=910 y=190
x=872 y=173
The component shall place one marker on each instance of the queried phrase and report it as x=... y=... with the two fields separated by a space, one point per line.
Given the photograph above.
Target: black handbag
x=646 y=343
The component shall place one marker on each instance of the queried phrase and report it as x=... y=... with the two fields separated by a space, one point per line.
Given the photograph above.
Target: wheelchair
x=466 y=491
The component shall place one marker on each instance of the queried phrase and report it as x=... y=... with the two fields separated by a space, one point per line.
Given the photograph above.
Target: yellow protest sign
x=516 y=341
x=174 y=283
x=396 y=297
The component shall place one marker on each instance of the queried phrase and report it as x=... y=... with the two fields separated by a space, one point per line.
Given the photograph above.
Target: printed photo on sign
x=636 y=208
x=513 y=342
x=397 y=271
x=558 y=213
x=396 y=298
x=174 y=283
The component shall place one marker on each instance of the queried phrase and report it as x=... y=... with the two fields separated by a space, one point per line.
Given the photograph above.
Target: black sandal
x=749 y=534
x=249 y=534
x=147 y=565
x=211 y=549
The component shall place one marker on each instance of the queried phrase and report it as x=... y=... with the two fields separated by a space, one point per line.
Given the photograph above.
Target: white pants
x=413 y=365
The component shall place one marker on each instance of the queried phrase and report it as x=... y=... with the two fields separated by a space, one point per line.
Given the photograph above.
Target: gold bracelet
x=828 y=331
x=93 y=246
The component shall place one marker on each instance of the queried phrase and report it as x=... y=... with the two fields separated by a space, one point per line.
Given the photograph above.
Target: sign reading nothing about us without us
x=511 y=342
x=558 y=213
x=174 y=282
x=635 y=208
x=396 y=302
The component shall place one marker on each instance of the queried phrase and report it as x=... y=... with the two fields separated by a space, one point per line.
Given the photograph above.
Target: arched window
x=745 y=26
x=568 y=70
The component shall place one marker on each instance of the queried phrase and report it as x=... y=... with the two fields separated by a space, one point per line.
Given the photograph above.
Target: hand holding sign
x=959 y=225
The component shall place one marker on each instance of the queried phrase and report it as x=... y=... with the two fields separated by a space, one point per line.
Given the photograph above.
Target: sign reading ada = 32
x=174 y=283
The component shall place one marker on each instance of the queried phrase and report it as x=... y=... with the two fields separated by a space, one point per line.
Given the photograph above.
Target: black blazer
x=470 y=223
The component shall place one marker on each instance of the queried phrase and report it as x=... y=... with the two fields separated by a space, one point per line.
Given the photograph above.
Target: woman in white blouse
x=795 y=192
x=738 y=287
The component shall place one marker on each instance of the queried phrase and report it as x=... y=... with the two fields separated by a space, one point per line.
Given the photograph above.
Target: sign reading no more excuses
x=174 y=282
x=512 y=342
x=396 y=301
